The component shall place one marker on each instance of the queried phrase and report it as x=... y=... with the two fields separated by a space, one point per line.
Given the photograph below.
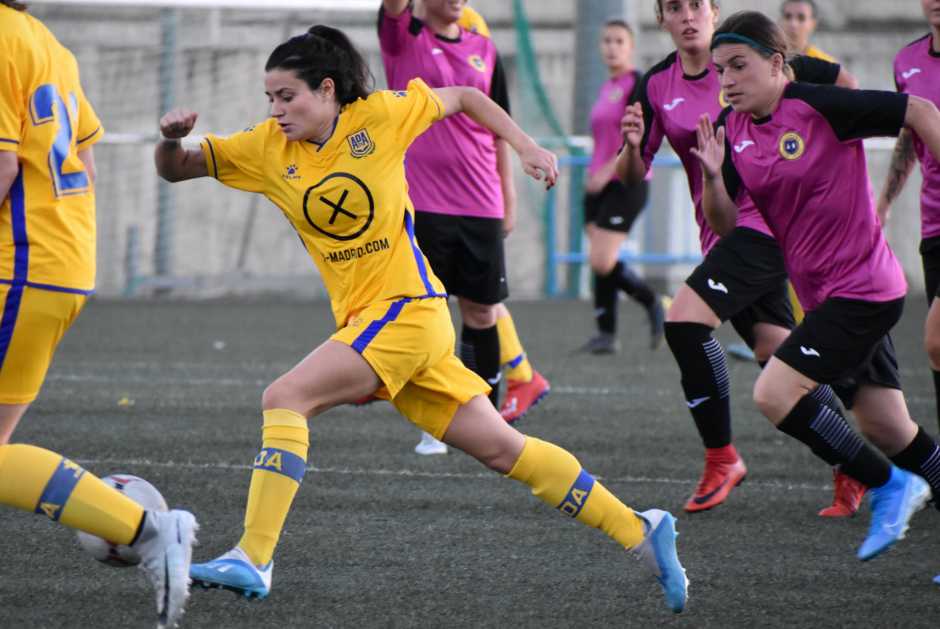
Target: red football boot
x=724 y=470
x=847 y=496
x=522 y=396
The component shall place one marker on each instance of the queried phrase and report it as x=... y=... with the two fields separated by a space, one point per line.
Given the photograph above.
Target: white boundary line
x=406 y=473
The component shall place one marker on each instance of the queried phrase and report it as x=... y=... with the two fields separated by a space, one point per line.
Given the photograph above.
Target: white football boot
x=165 y=546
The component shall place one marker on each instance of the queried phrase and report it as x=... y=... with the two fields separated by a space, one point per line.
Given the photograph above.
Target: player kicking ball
x=394 y=337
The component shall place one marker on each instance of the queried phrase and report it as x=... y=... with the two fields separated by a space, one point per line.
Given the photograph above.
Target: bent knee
x=479 y=316
x=771 y=400
x=280 y=394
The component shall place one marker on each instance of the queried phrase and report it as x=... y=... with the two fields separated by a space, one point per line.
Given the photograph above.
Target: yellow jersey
x=347 y=198
x=472 y=21
x=813 y=51
x=47 y=221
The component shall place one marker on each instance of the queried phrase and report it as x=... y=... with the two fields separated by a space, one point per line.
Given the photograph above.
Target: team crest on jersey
x=290 y=173
x=477 y=63
x=360 y=144
x=792 y=146
x=615 y=94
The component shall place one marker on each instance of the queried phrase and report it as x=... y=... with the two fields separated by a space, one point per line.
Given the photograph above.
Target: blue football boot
x=234 y=571
x=892 y=506
x=658 y=552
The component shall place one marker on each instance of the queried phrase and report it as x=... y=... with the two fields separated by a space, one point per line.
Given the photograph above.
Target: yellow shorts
x=410 y=345
x=33 y=322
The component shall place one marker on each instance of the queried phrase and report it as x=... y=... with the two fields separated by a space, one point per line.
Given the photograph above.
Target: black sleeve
x=635 y=94
x=854 y=114
x=641 y=96
x=499 y=92
x=812 y=70
x=729 y=173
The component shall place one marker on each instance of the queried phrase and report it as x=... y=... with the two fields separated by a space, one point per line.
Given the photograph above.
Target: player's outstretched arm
x=9 y=168
x=629 y=165
x=394 y=8
x=720 y=211
x=174 y=163
x=902 y=163
x=537 y=162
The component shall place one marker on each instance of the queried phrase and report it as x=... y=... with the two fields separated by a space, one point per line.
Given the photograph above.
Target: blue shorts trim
x=362 y=341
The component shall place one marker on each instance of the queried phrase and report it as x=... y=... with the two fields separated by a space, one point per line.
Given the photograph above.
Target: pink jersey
x=917 y=72
x=804 y=166
x=451 y=168
x=672 y=104
x=606 y=115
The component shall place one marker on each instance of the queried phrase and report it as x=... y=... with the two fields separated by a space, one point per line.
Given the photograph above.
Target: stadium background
x=198 y=239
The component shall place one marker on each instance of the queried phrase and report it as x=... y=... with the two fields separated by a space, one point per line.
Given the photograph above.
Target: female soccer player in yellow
x=47 y=270
x=331 y=157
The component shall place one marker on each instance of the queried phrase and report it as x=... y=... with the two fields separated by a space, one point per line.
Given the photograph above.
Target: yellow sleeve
x=473 y=22
x=238 y=160
x=413 y=110
x=89 y=125
x=12 y=105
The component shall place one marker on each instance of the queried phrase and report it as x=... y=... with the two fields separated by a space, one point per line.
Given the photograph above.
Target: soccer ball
x=141 y=492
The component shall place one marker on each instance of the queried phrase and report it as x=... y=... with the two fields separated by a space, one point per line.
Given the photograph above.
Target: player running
x=460 y=178
x=742 y=278
x=917 y=72
x=47 y=271
x=796 y=151
x=349 y=203
x=610 y=206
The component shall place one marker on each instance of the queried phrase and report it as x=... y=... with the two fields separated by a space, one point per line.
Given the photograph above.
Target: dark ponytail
x=19 y=6
x=325 y=52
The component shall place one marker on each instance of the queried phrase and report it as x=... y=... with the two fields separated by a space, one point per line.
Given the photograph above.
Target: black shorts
x=616 y=206
x=845 y=343
x=743 y=279
x=466 y=253
x=930 y=256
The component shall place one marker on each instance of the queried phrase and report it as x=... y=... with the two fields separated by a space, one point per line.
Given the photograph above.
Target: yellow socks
x=511 y=353
x=557 y=478
x=37 y=480
x=278 y=470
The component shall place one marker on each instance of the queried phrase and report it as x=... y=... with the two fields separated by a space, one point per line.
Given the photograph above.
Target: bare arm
x=720 y=210
x=88 y=159
x=537 y=162
x=846 y=79
x=394 y=8
x=9 y=169
x=629 y=166
x=902 y=163
x=174 y=163
x=508 y=185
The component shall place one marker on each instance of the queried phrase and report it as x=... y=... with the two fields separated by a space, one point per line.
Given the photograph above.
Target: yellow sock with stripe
x=557 y=478
x=275 y=479
x=511 y=354
x=37 y=480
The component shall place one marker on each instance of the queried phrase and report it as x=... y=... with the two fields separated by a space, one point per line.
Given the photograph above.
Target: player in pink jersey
x=917 y=71
x=742 y=278
x=796 y=150
x=460 y=178
x=610 y=207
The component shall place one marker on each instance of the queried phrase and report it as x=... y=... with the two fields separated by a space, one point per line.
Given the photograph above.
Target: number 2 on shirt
x=47 y=105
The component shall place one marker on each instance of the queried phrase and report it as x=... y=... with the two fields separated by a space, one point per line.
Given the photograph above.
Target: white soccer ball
x=141 y=492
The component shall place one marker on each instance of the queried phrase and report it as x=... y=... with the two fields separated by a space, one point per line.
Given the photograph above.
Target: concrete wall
x=230 y=237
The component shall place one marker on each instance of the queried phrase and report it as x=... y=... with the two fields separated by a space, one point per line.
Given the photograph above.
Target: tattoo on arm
x=902 y=163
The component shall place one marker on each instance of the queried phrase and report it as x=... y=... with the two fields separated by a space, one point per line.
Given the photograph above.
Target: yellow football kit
x=47 y=221
x=47 y=266
x=348 y=200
